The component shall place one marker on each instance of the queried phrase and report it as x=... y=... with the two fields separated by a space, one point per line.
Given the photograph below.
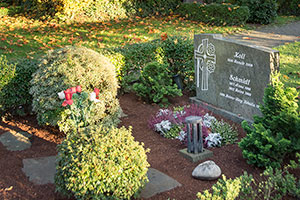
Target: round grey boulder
x=207 y=170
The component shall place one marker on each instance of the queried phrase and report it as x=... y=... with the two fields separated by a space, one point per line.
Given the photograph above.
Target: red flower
x=73 y=90
x=67 y=102
x=68 y=96
x=78 y=88
x=97 y=91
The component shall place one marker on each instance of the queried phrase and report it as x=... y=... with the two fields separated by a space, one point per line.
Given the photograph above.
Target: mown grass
x=290 y=63
x=23 y=37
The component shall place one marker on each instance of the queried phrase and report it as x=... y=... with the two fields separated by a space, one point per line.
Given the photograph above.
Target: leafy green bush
x=228 y=134
x=14 y=96
x=175 y=51
x=277 y=132
x=7 y=73
x=68 y=67
x=178 y=52
x=155 y=7
x=288 y=7
x=135 y=58
x=101 y=163
x=216 y=14
x=274 y=184
x=156 y=84
x=261 y=11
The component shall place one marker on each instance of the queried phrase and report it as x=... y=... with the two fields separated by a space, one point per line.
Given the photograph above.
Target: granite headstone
x=231 y=76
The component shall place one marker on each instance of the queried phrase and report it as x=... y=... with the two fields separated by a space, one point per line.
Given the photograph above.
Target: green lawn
x=22 y=37
x=290 y=63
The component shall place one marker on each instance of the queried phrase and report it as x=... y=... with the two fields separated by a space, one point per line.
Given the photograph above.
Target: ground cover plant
x=170 y=123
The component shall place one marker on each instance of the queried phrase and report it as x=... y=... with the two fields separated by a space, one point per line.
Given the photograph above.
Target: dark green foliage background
x=216 y=14
x=261 y=11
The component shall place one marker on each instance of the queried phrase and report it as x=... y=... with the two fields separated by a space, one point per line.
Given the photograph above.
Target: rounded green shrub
x=67 y=67
x=156 y=84
x=101 y=163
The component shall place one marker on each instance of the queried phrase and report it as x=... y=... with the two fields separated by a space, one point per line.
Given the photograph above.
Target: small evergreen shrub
x=156 y=84
x=101 y=163
x=261 y=11
x=216 y=14
x=277 y=132
x=289 y=7
x=224 y=189
x=14 y=96
x=273 y=184
x=68 y=67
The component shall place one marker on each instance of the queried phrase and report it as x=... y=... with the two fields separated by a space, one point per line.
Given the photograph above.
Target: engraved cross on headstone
x=206 y=61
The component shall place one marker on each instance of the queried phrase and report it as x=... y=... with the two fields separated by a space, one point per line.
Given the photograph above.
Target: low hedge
x=215 y=14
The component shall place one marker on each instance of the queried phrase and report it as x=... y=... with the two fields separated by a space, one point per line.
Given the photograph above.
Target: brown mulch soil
x=163 y=156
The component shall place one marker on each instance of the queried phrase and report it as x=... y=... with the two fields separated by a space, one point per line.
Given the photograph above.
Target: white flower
x=208 y=120
x=214 y=140
x=181 y=135
x=166 y=124
x=163 y=112
x=179 y=113
x=93 y=97
x=163 y=126
x=61 y=95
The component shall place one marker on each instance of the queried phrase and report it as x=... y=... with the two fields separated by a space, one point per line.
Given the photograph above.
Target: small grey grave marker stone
x=231 y=76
